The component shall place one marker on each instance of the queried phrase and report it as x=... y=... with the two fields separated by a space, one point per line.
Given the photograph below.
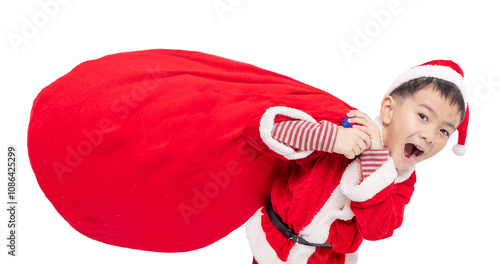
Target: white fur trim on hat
x=436 y=71
x=459 y=150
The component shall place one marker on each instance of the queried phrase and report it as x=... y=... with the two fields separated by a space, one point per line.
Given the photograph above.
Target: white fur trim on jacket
x=405 y=176
x=266 y=128
x=369 y=187
x=262 y=250
x=336 y=207
x=351 y=258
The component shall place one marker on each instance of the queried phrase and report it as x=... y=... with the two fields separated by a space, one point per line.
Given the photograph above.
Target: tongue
x=409 y=149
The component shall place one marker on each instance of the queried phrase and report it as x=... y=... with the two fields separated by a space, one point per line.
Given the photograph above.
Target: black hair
x=446 y=89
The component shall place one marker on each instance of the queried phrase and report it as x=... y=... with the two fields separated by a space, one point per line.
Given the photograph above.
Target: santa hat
x=446 y=70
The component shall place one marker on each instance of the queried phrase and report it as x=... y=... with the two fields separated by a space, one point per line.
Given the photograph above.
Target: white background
x=454 y=215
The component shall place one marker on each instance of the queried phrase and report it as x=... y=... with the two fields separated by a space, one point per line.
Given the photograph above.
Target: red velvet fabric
x=145 y=149
x=378 y=217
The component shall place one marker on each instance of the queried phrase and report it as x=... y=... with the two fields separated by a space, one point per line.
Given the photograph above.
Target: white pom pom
x=459 y=150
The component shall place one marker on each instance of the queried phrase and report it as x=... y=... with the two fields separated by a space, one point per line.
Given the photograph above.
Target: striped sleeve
x=305 y=135
x=372 y=159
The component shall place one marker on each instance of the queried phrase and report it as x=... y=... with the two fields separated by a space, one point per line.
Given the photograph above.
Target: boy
x=171 y=150
x=325 y=207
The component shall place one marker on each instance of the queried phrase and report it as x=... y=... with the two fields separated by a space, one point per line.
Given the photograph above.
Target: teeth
x=419 y=148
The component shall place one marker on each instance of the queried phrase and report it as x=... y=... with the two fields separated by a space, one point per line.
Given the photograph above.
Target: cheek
x=406 y=125
x=399 y=135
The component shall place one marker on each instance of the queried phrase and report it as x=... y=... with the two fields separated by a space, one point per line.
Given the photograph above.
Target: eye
x=445 y=132
x=423 y=117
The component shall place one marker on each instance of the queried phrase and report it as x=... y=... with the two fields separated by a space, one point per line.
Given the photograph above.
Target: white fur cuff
x=376 y=182
x=266 y=128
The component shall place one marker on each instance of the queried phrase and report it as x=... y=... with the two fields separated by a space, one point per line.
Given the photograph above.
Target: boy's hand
x=365 y=123
x=351 y=142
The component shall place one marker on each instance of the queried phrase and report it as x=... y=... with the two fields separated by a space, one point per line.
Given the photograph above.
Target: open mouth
x=412 y=152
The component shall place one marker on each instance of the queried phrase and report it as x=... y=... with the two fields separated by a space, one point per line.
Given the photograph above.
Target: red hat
x=446 y=70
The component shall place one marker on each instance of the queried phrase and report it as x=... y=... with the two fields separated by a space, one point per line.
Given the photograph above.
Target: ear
x=387 y=109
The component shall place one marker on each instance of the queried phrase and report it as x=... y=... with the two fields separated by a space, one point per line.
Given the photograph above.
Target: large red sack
x=147 y=149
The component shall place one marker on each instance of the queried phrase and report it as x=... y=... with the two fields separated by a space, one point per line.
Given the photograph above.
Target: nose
x=428 y=136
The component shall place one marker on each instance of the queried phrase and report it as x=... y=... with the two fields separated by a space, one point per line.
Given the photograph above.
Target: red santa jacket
x=321 y=198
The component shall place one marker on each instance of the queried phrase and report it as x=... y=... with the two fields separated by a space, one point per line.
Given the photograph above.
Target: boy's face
x=417 y=128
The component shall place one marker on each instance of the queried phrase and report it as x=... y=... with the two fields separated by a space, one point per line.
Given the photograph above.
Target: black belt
x=286 y=231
